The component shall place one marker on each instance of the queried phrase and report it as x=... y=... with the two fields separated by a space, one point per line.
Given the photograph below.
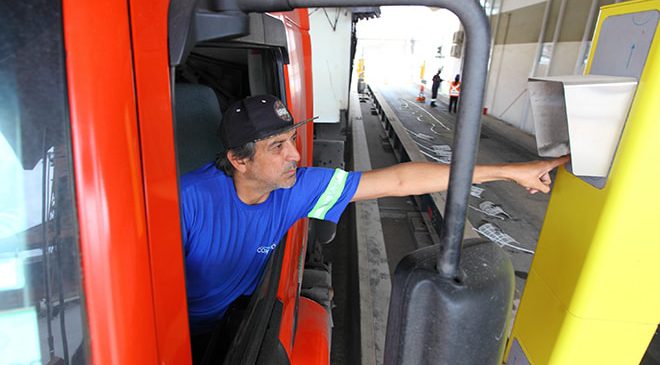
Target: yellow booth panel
x=593 y=292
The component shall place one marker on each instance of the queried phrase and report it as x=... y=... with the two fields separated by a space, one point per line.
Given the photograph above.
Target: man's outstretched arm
x=414 y=178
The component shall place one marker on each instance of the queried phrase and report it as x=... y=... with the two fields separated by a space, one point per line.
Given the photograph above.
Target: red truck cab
x=105 y=105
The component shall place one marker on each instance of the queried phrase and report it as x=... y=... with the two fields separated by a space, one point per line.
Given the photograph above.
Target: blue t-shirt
x=227 y=242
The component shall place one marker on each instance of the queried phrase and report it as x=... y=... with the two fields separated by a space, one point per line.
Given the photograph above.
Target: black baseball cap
x=255 y=118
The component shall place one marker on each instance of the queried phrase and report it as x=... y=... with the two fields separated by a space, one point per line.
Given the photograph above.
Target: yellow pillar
x=592 y=295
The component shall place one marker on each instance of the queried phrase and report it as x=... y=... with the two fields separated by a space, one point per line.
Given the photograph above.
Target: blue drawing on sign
x=643 y=18
x=632 y=49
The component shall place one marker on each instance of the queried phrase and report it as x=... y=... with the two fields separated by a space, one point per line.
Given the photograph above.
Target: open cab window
x=213 y=76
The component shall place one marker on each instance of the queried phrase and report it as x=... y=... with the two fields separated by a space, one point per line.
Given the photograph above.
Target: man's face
x=275 y=161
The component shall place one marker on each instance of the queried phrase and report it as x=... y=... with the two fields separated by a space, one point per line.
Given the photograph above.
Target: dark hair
x=247 y=150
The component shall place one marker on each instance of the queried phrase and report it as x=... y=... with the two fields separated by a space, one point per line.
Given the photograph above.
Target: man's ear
x=238 y=163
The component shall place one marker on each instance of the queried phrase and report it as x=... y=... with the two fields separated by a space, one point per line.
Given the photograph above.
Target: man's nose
x=294 y=155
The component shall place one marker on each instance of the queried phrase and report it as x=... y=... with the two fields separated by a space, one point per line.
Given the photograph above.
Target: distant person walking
x=434 y=88
x=454 y=93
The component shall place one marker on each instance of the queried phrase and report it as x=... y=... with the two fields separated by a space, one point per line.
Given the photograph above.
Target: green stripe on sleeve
x=330 y=195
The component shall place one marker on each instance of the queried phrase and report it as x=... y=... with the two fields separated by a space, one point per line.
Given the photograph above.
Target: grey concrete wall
x=524 y=24
x=516 y=34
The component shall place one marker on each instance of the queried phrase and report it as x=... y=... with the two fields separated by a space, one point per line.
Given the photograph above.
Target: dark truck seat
x=198 y=116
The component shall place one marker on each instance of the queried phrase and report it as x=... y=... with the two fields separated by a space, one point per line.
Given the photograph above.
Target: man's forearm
x=427 y=177
x=486 y=173
x=415 y=178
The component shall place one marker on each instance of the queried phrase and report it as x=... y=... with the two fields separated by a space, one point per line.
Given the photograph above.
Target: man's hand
x=534 y=176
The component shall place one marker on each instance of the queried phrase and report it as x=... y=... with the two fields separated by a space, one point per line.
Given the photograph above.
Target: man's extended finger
x=559 y=161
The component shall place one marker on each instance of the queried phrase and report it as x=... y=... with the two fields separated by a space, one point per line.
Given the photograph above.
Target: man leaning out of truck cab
x=236 y=210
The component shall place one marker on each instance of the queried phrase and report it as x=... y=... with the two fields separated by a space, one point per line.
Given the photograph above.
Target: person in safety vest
x=454 y=93
x=236 y=209
x=434 y=88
